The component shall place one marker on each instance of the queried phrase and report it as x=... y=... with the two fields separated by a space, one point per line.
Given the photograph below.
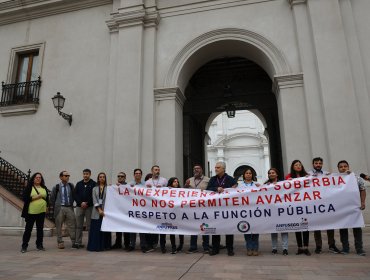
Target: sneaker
x=285 y=252
x=75 y=246
x=319 y=251
x=206 y=251
x=255 y=253
x=179 y=249
x=306 y=252
x=174 y=251
x=333 y=249
x=249 y=253
x=361 y=252
x=192 y=251
x=274 y=252
x=23 y=250
x=213 y=253
x=40 y=248
x=81 y=246
x=345 y=251
x=148 y=250
x=61 y=245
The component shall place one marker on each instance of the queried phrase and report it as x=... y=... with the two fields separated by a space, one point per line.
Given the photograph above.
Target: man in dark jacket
x=217 y=184
x=84 y=204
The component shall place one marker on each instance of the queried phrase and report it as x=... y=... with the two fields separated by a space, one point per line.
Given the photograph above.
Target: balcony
x=20 y=98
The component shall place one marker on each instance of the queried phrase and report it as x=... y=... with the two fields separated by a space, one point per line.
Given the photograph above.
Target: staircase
x=12 y=184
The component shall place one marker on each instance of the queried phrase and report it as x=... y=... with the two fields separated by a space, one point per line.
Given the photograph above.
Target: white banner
x=308 y=203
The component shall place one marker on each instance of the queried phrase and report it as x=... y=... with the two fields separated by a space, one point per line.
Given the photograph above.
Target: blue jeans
x=251 y=241
x=194 y=239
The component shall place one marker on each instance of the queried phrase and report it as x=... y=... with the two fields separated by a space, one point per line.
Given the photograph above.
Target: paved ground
x=118 y=264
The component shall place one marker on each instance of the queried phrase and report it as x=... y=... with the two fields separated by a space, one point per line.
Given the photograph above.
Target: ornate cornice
x=173 y=93
x=295 y=2
x=21 y=10
x=148 y=17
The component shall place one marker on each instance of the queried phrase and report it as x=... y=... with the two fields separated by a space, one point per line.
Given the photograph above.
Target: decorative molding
x=22 y=10
x=275 y=55
x=287 y=81
x=17 y=110
x=172 y=93
x=296 y=2
x=147 y=17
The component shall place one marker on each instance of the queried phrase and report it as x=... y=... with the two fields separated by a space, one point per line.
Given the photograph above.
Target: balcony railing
x=20 y=93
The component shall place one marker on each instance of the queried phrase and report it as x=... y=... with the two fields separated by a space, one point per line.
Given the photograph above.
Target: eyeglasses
x=66 y=175
x=120 y=176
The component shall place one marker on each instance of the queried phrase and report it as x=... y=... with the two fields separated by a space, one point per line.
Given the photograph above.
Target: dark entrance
x=241 y=169
x=234 y=81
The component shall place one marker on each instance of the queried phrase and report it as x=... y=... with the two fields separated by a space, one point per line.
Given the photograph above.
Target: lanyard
x=195 y=183
x=222 y=182
x=101 y=194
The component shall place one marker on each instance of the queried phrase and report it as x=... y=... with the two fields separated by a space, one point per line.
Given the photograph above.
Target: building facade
x=240 y=142
x=133 y=72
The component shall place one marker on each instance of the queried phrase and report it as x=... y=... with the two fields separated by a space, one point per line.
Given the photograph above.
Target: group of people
x=89 y=197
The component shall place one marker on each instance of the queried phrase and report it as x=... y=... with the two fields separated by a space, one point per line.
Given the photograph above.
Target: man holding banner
x=218 y=183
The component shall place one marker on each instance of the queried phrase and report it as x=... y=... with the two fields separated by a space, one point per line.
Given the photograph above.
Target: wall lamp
x=58 y=101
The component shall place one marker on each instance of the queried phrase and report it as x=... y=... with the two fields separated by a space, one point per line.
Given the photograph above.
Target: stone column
x=133 y=28
x=294 y=132
x=312 y=90
x=342 y=121
x=168 y=131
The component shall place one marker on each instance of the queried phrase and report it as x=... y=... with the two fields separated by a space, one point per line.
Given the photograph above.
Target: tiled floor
x=118 y=264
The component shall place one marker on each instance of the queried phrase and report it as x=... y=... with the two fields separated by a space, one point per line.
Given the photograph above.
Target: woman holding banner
x=251 y=240
x=297 y=170
x=273 y=177
x=99 y=240
x=172 y=183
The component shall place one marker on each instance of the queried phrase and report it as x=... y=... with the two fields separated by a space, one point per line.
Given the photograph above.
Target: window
x=20 y=94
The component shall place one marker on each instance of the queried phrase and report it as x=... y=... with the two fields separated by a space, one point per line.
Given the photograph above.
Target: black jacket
x=82 y=194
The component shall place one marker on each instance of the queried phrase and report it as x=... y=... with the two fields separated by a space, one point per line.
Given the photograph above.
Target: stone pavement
x=118 y=264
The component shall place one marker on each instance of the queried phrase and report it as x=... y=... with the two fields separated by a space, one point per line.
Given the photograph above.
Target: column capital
x=132 y=16
x=287 y=81
x=172 y=93
x=296 y=2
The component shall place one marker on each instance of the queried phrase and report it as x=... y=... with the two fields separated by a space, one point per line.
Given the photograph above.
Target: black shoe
x=130 y=249
x=333 y=249
x=163 y=250
x=205 y=251
x=192 y=251
x=75 y=246
x=173 y=251
x=40 y=248
x=318 y=250
x=147 y=250
x=306 y=252
x=213 y=253
x=23 y=250
x=230 y=253
x=81 y=246
x=116 y=246
x=300 y=251
x=361 y=252
x=274 y=251
x=285 y=252
x=179 y=249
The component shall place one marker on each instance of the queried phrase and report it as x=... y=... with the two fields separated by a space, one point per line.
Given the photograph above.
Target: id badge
x=100 y=201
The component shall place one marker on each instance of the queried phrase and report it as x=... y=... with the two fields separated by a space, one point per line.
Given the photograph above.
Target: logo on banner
x=293 y=226
x=243 y=226
x=206 y=229
x=167 y=226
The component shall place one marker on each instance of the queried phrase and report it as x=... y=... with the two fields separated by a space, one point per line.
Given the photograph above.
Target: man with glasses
x=121 y=180
x=199 y=181
x=62 y=199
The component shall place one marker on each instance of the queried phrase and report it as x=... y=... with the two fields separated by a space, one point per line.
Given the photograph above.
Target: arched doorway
x=217 y=84
x=241 y=169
